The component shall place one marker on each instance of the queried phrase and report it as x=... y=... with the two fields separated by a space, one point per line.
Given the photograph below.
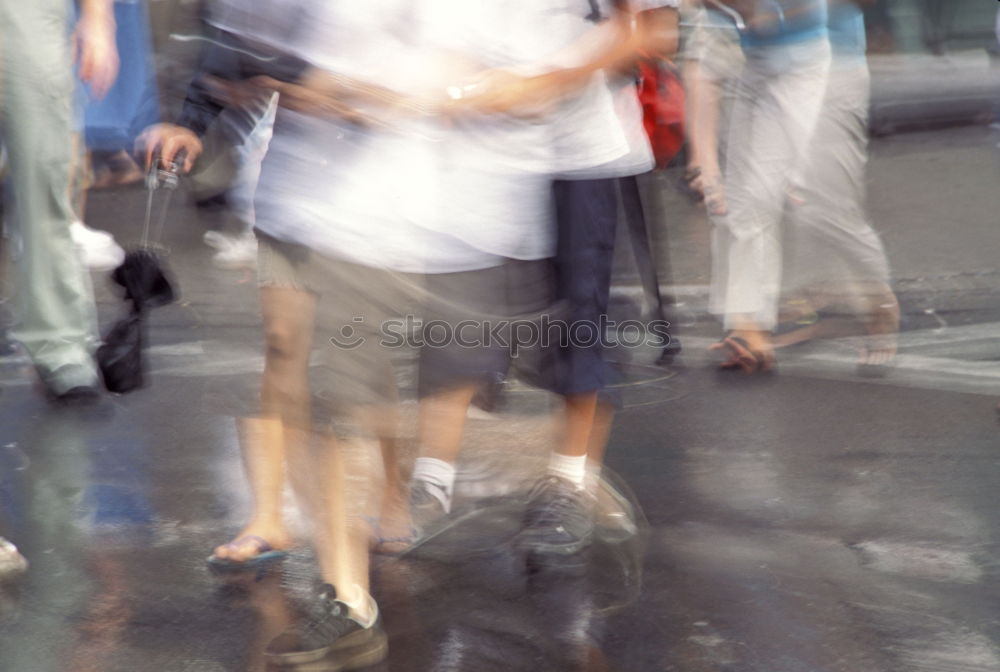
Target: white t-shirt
x=585 y=130
x=619 y=92
x=424 y=196
x=427 y=196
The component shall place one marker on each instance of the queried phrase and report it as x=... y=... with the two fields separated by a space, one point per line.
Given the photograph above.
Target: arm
x=657 y=32
x=704 y=111
x=614 y=45
x=224 y=63
x=94 y=47
x=702 y=122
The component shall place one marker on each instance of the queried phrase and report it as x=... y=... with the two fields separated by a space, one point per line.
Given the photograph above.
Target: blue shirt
x=847 y=31
x=797 y=21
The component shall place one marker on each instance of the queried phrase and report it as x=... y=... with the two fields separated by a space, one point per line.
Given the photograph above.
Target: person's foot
x=75 y=384
x=429 y=503
x=252 y=542
x=12 y=563
x=97 y=249
x=232 y=252
x=81 y=395
x=750 y=350
x=669 y=352
x=85 y=236
x=558 y=519
x=8 y=346
x=331 y=633
x=393 y=532
x=882 y=328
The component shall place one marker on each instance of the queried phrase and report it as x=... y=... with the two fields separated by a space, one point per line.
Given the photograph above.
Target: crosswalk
x=949 y=358
x=956 y=359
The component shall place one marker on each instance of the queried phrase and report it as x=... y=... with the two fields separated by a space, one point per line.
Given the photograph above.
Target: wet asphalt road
x=811 y=521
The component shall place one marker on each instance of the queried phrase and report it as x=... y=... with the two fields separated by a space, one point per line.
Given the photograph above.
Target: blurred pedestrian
x=596 y=137
x=109 y=125
x=777 y=104
x=230 y=54
x=837 y=269
x=55 y=322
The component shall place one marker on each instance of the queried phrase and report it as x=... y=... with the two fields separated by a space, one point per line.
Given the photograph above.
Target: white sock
x=573 y=469
x=593 y=476
x=439 y=474
x=363 y=608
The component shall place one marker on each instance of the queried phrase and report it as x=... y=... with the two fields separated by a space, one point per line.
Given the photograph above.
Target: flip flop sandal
x=750 y=361
x=266 y=556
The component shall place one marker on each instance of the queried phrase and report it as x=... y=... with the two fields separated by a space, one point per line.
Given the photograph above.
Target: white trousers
x=830 y=243
x=777 y=105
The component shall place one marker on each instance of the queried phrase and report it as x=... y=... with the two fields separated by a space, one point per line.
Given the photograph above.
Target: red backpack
x=662 y=97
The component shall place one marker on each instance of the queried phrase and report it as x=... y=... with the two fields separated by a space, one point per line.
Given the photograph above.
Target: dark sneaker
x=427 y=506
x=558 y=519
x=8 y=346
x=329 y=634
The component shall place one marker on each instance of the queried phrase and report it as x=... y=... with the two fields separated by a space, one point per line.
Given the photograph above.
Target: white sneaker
x=216 y=239
x=234 y=252
x=103 y=258
x=84 y=236
x=12 y=563
x=98 y=249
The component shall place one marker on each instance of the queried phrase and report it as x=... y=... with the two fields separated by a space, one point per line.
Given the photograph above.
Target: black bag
x=120 y=358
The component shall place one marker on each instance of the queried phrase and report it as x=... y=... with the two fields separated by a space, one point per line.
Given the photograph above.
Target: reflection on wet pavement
x=810 y=544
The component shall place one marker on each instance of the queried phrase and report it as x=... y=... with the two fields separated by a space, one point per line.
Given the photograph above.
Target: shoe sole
x=334 y=659
x=260 y=563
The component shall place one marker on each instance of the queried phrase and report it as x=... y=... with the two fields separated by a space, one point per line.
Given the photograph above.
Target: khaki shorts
x=369 y=319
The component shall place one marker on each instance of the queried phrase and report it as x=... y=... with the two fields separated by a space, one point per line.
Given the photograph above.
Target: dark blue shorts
x=586 y=217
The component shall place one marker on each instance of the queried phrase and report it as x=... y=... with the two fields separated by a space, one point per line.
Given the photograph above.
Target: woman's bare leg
x=267 y=442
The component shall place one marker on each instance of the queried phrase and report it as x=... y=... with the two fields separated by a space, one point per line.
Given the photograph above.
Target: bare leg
x=882 y=326
x=875 y=314
x=581 y=410
x=289 y=318
x=341 y=535
x=288 y=325
x=442 y=423
x=394 y=525
x=604 y=415
x=262 y=442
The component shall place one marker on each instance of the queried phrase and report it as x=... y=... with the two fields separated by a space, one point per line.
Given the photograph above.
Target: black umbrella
x=147 y=285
